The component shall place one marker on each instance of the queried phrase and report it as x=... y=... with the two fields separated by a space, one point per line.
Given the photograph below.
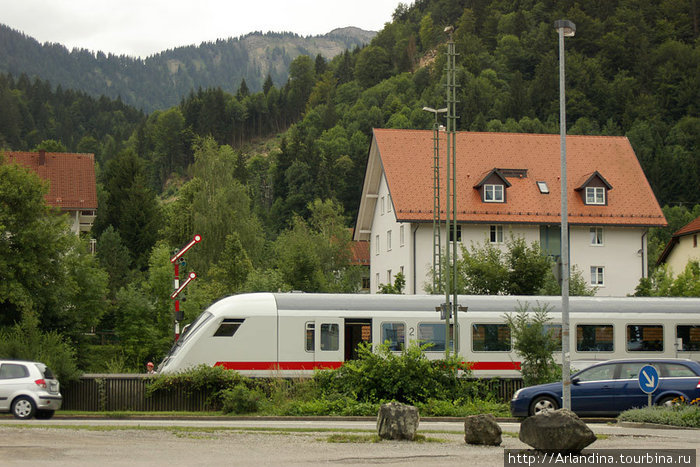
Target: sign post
x=176 y=282
x=648 y=380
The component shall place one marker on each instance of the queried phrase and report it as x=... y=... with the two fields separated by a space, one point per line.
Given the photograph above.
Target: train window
x=554 y=330
x=689 y=336
x=228 y=327
x=394 y=335
x=434 y=334
x=645 y=338
x=310 y=336
x=490 y=338
x=594 y=338
x=330 y=336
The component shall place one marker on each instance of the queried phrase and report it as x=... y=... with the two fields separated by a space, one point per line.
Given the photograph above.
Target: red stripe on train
x=274 y=366
x=297 y=366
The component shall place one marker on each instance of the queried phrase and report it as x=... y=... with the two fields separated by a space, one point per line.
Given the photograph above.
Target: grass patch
x=354 y=438
x=681 y=415
x=351 y=438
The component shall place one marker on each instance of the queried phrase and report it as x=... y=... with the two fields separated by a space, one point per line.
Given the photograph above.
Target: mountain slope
x=160 y=81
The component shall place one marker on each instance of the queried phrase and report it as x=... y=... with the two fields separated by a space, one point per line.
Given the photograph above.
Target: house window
x=493 y=193
x=544 y=189
x=496 y=234
x=459 y=233
x=595 y=195
x=388 y=240
x=365 y=283
x=388 y=203
x=381 y=206
x=596 y=236
x=376 y=243
x=376 y=279
x=388 y=276
x=597 y=275
x=695 y=241
x=402 y=238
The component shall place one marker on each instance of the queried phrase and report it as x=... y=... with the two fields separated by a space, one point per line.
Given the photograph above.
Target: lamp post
x=566 y=29
x=437 y=268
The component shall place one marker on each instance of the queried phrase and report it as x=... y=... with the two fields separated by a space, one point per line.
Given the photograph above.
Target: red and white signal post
x=176 y=283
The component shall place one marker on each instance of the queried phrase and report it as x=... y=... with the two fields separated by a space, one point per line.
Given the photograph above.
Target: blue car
x=611 y=387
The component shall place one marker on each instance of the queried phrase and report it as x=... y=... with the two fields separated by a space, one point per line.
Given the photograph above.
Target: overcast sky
x=144 y=27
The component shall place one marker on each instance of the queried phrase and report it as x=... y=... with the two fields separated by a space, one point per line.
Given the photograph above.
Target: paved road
x=64 y=442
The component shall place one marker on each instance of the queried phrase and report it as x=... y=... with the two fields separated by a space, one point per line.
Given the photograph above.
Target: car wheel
x=23 y=408
x=668 y=401
x=44 y=414
x=542 y=403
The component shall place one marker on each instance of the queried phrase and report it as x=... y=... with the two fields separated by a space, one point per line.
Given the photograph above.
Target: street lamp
x=437 y=268
x=566 y=29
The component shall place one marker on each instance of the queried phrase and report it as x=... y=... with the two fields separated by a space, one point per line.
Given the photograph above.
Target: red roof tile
x=360 y=253
x=407 y=159
x=689 y=228
x=71 y=177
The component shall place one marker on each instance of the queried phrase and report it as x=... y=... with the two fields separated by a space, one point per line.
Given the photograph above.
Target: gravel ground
x=57 y=447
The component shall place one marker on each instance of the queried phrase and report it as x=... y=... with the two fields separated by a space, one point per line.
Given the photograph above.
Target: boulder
x=482 y=429
x=556 y=431
x=397 y=421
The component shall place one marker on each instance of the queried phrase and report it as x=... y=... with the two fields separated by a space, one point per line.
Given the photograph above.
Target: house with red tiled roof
x=682 y=248
x=509 y=184
x=360 y=257
x=72 y=186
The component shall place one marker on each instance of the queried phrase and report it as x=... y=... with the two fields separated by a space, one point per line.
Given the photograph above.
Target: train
x=291 y=335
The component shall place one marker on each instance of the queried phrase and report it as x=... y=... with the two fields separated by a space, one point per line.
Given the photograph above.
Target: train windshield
x=190 y=330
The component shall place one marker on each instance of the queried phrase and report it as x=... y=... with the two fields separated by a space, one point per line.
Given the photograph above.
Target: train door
x=356 y=332
x=329 y=341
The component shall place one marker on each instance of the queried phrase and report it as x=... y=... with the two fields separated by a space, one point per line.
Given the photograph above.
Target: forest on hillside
x=271 y=179
x=159 y=81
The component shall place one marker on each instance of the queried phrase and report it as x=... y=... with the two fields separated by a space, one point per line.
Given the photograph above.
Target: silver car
x=28 y=389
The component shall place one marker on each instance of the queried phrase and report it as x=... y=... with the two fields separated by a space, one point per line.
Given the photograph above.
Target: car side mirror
x=574 y=380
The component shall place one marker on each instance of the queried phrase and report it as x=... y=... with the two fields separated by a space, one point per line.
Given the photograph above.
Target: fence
x=97 y=393
x=127 y=393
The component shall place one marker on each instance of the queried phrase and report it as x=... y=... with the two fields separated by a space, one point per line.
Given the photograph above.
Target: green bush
x=25 y=341
x=680 y=415
x=202 y=378
x=241 y=399
x=408 y=377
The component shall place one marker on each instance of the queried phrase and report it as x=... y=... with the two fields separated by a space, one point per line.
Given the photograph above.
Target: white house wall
x=685 y=250
x=622 y=254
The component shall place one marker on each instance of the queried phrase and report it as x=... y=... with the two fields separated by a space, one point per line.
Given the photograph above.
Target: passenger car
x=611 y=387
x=28 y=389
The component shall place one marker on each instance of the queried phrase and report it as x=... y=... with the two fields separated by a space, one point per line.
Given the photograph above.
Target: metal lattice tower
x=437 y=246
x=451 y=188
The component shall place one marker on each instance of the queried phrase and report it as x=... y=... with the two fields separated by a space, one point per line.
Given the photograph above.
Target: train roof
x=485 y=303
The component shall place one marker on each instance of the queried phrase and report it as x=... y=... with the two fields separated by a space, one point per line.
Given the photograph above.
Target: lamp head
x=568 y=27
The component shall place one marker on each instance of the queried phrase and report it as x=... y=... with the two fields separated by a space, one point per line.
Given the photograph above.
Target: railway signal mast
x=176 y=282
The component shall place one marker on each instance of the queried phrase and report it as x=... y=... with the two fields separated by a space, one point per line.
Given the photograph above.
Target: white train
x=290 y=335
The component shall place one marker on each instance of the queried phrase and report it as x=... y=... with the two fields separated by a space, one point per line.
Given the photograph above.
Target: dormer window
x=595 y=195
x=493 y=193
x=594 y=189
x=492 y=187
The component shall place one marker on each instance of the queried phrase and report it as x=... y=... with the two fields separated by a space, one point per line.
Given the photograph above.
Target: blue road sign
x=648 y=379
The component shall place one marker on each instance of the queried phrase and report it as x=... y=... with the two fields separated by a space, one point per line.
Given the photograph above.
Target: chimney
x=42 y=157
